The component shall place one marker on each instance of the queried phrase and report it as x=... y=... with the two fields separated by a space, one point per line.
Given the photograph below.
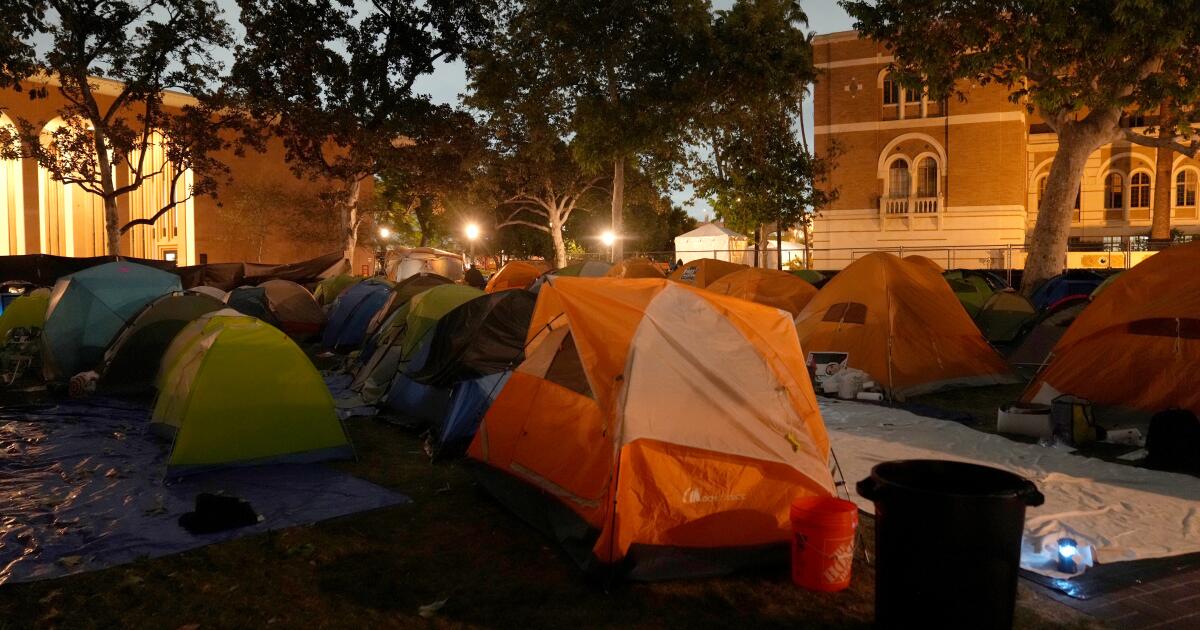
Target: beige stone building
x=959 y=180
x=251 y=218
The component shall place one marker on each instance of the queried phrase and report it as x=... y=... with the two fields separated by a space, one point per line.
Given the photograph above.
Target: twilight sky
x=448 y=81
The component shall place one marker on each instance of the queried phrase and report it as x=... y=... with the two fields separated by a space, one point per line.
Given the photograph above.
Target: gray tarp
x=81 y=488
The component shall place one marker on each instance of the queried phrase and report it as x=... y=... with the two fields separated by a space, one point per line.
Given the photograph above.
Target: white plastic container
x=1029 y=419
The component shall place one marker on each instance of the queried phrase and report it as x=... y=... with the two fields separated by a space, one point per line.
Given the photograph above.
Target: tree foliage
x=748 y=157
x=611 y=74
x=1079 y=65
x=335 y=82
x=148 y=47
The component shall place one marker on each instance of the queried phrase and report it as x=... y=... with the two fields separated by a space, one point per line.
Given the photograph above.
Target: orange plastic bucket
x=823 y=542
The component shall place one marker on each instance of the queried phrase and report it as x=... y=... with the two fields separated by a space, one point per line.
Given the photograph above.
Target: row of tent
x=231 y=389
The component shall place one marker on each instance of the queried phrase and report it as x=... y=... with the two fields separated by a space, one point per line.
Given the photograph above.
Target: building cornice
x=839 y=36
x=108 y=87
x=878 y=60
x=921 y=123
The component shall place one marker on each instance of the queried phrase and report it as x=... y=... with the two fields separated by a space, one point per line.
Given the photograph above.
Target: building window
x=1114 y=196
x=891 y=90
x=1185 y=194
x=899 y=180
x=912 y=96
x=927 y=178
x=1139 y=196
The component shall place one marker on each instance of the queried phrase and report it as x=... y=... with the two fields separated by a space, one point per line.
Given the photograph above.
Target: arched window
x=912 y=95
x=899 y=179
x=1185 y=194
x=1139 y=196
x=12 y=199
x=927 y=178
x=1114 y=196
x=891 y=90
x=1041 y=193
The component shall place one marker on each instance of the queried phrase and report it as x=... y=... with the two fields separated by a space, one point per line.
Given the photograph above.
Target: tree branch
x=1190 y=149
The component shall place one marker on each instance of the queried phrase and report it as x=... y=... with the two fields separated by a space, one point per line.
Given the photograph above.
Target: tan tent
x=636 y=268
x=780 y=289
x=297 y=310
x=899 y=322
x=704 y=271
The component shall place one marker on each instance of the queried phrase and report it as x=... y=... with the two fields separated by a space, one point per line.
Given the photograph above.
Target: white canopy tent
x=711 y=240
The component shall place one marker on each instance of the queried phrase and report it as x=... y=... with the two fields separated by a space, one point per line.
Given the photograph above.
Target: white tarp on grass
x=1121 y=512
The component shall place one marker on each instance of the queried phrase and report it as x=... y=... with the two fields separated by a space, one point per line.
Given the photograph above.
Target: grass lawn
x=452 y=543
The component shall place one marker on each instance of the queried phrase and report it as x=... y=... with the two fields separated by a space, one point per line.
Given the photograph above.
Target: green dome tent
x=88 y=308
x=132 y=360
x=1004 y=316
x=971 y=289
x=811 y=276
x=27 y=311
x=238 y=391
x=403 y=332
x=329 y=289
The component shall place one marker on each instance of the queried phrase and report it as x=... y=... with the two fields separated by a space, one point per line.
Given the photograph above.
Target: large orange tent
x=899 y=322
x=658 y=417
x=1137 y=345
x=636 y=268
x=771 y=287
x=517 y=274
x=704 y=271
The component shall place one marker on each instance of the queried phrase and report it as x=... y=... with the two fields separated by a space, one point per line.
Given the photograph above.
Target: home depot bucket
x=823 y=542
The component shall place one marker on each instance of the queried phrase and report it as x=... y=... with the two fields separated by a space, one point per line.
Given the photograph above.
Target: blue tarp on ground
x=352 y=313
x=81 y=489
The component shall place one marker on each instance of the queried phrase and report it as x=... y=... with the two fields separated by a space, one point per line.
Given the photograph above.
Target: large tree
x=1079 y=65
x=749 y=157
x=613 y=70
x=336 y=82
x=148 y=47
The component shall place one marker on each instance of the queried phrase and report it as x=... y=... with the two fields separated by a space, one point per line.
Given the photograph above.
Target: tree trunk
x=1048 y=244
x=112 y=220
x=560 y=247
x=807 y=225
x=779 y=245
x=1160 y=225
x=350 y=221
x=618 y=208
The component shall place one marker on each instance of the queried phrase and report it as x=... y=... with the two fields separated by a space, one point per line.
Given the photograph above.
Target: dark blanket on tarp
x=227 y=276
x=81 y=489
x=44 y=270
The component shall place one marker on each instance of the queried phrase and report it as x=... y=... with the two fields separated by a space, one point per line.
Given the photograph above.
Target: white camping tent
x=410 y=262
x=769 y=259
x=710 y=240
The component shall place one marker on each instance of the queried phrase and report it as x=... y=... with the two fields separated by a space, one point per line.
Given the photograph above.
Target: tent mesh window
x=847 y=313
x=1166 y=327
x=567 y=370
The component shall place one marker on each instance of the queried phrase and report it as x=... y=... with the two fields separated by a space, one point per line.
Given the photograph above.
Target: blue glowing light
x=1067 y=550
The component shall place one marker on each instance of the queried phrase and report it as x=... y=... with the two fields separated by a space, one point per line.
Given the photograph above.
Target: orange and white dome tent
x=517 y=274
x=1137 y=345
x=654 y=440
x=898 y=321
x=635 y=268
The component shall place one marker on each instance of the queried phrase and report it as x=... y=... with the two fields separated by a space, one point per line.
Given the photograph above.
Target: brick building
x=959 y=180
x=254 y=216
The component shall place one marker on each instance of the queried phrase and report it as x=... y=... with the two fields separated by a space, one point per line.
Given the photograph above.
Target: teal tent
x=89 y=308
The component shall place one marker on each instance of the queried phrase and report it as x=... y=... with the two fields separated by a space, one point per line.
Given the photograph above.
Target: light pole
x=471 y=231
x=384 y=235
x=608 y=238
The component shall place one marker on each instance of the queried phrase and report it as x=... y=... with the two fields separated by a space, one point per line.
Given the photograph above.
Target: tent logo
x=693 y=495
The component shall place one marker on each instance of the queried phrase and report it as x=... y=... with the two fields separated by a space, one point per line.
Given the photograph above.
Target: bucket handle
x=1031 y=495
x=867 y=488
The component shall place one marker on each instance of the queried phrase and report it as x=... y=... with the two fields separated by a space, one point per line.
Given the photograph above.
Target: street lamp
x=608 y=238
x=472 y=233
x=381 y=257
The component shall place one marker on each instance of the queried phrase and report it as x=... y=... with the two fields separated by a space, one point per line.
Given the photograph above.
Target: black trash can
x=947 y=542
